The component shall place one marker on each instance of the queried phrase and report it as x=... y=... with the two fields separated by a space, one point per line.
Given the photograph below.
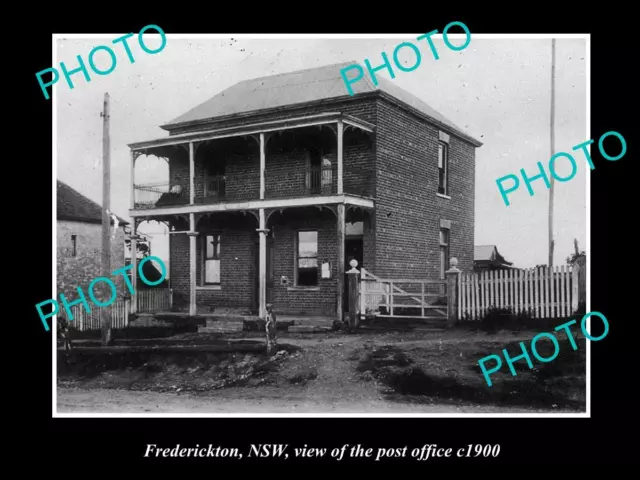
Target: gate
x=402 y=298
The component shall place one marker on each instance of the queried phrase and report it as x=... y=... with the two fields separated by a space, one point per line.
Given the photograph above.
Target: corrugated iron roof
x=72 y=205
x=299 y=87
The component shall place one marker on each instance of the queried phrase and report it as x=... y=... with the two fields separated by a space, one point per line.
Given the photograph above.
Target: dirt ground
x=393 y=372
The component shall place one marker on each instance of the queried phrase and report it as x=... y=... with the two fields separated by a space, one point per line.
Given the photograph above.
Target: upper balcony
x=307 y=161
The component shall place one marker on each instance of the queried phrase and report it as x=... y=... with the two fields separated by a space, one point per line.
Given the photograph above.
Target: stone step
x=229 y=311
x=217 y=320
x=223 y=327
x=308 y=329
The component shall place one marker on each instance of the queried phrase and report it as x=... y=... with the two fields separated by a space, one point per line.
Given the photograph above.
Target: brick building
x=79 y=244
x=276 y=183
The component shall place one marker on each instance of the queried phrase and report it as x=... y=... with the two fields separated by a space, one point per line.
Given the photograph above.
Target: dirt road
x=131 y=402
x=323 y=378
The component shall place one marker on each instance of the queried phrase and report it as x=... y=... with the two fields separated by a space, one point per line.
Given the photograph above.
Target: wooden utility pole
x=106 y=221
x=553 y=112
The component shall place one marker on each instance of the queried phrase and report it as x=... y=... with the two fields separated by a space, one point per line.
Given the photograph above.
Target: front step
x=308 y=329
x=222 y=327
x=227 y=311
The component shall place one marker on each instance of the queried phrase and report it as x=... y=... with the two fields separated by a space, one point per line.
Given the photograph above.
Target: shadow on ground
x=452 y=375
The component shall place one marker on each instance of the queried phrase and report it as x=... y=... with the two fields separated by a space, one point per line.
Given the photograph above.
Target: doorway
x=353 y=249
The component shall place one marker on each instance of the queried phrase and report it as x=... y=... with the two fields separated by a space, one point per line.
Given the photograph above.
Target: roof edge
x=69 y=218
x=169 y=127
x=192 y=123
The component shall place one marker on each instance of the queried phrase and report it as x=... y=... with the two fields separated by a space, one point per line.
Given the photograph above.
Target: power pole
x=106 y=220
x=553 y=112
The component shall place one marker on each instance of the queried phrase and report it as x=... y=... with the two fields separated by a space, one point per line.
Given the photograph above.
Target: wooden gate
x=402 y=298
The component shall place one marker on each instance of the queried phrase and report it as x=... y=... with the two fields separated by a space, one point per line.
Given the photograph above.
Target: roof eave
x=70 y=218
x=253 y=128
x=169 y=127
x=264 y=111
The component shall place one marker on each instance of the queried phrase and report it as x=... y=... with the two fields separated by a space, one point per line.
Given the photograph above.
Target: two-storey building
x=277 y=182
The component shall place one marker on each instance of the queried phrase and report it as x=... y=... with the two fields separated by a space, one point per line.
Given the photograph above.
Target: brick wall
x=408 y=211
x=290 y=299
x=81 y=269
x=237 y=263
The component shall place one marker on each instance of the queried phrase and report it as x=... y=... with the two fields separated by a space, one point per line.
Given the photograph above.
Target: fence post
x=127 y=306
x=452 y=292
x=354 y=304
x=575 y=272
x=171 y=299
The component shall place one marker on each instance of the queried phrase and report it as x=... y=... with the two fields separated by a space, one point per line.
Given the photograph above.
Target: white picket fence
x=149 y=300
x=154 y=299
x=542 y=292
x=83 y=320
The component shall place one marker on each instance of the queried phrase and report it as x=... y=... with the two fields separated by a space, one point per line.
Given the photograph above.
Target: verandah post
x=192 y=265
x=341 y=260
x=452 y=292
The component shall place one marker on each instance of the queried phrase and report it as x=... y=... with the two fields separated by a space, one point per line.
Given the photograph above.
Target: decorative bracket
x=332 y=127
x=252 y=212
x=136 y=154
x=268 y=214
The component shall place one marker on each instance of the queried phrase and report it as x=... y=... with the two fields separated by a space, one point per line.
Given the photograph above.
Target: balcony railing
x=279 y=183
x=160 y=195
x=319 y=181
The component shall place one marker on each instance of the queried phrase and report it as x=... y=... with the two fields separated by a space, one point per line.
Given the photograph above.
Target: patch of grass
x=450 y=374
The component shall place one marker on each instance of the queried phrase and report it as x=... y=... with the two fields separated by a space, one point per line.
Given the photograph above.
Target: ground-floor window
x=307 y=259
x=210 y=254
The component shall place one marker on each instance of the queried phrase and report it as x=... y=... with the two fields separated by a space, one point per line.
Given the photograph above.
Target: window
x=319 y=174
x=444 y=251
x=443 y=168
x=215 y=180
x=73 y=245
x=307 y=259
x=210 y=259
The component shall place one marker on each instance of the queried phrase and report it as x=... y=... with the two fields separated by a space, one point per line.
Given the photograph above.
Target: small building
x=277 y=182
x=79 y=244
x=487 y=258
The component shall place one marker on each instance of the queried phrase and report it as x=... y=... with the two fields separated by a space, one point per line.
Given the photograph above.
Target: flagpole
x=106 y=218
x=552 y=124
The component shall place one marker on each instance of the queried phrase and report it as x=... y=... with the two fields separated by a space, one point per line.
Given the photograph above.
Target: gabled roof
x=484 y=252
x=72 y=205
x=302 y=87
x=488 y=253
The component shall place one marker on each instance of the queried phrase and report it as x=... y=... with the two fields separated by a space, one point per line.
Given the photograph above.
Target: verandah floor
x=302 y=320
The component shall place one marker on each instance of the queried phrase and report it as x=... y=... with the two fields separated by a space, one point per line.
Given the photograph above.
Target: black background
x=607 y=437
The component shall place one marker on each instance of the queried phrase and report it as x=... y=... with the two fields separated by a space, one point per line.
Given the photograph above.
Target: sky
x=497 y=90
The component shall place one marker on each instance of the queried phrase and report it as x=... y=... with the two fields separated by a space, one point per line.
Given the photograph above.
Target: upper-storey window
x=215 y=180
x=443 y=168
x=318 y=172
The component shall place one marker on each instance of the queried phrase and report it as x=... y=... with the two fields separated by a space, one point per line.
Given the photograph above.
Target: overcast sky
x=498 y=90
